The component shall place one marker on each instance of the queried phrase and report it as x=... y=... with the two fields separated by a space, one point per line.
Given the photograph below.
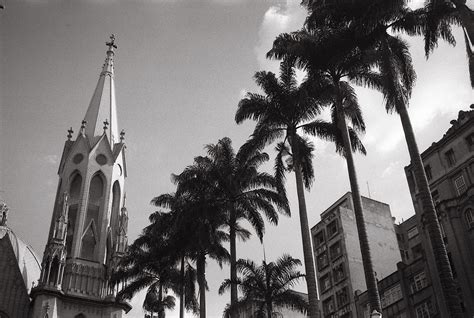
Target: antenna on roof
x=368 y=190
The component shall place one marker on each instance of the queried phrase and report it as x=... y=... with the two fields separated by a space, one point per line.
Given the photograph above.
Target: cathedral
x=88 y=231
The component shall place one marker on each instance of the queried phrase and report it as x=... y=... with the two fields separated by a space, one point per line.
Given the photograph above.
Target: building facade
x=414 y=290
x=449 y=167
x=20 y=268
x=408 y=292
x=336 y=246
x=88 y=231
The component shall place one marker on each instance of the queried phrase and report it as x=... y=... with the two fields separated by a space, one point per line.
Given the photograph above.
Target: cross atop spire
x=102 y=107
x=111 y=44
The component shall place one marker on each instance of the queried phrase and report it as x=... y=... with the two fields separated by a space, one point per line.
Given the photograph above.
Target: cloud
x=285 y=17
x=51 y=159
x=391 y=168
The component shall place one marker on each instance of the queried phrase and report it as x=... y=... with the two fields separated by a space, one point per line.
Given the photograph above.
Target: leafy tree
x=288 y=112
x=369 y=23
x=242 y=192
x=202 y=221
x=148 y=265
x=267 y=287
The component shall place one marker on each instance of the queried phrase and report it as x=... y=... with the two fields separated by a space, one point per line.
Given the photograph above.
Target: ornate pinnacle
x=83 y=127
x=106 y=124
x=111 y=44
x=122 y=135
x=3 y=213
x=69 y=135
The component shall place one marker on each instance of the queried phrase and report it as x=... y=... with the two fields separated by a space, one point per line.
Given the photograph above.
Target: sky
x=181 y=68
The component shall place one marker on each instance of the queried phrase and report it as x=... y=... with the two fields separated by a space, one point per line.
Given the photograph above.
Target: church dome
x=28 y=262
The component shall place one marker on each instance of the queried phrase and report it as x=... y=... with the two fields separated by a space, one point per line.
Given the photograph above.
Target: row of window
x=331 y=230
x=338 y=274
x=331 y=304
x=335 y=251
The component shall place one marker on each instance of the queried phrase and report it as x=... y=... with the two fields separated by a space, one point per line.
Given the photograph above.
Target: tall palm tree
x=289 y=111
x=180 y=250
x=267 y=287
x=202 y=220
x=147 y=265
x=370 y=23
x=305 y=47
x=243 y=192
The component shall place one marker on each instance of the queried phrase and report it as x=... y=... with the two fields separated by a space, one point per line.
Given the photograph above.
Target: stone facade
x=337 y=252
x=449 y=166
x=14 y=299
x=409 y=291
x=88 y=232
x=414 y=290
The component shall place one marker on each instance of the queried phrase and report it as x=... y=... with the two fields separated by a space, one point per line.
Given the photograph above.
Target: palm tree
x=146 y=265
x=305 y=47
x=438 y=18
x=267 y=287
x=180 y=250
x=395 y=80
x=202 y=220
x=286 y=111
x=243 y=192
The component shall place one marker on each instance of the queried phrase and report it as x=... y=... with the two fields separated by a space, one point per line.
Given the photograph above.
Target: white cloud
x=51 y=159
x=391 y=168
x=280 y=18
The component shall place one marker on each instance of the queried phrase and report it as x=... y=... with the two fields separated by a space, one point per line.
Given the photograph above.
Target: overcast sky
x=181 y=67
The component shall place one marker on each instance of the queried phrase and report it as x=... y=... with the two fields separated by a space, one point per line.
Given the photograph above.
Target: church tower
x=88 y=231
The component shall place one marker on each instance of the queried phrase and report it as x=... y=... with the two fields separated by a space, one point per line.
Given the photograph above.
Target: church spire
x=102 y=106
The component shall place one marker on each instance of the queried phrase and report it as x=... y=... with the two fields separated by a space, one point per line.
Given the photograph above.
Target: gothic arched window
x=115 y=205
x=90 y=236
x=74 y=199
x=54 y=271
x=469 y=218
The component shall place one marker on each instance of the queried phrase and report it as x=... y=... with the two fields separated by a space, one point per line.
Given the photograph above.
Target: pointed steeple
x=102 y=106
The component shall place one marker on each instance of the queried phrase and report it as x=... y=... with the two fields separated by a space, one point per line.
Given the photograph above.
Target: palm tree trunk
x=233 y=262
x=181 y=290
x=269 y=309
x=201 y=273
x=161 y=312
x=430 y=219
x=313 y=311
x=370 y=279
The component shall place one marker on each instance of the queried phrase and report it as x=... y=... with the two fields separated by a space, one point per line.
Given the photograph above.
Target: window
x=335 y=250
x=469 y=218
x=412 y=232
x=418 y=282
x=338 y=273
x=319 y=238
x=460 y=185
x=332 y=228
x=417 y=251
x=342 y=297
x=470 y=141
x=328 y=306
x=424 y=310
x=391 y=295
x=450 y=158
x=323 y=260
x=429 y=176
x=325 y=282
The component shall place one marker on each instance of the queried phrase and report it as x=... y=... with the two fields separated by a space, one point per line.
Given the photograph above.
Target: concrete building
x=408 y=292
x=337 y=252
x=449 y=167
x=88 y=232
x=414 y=290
